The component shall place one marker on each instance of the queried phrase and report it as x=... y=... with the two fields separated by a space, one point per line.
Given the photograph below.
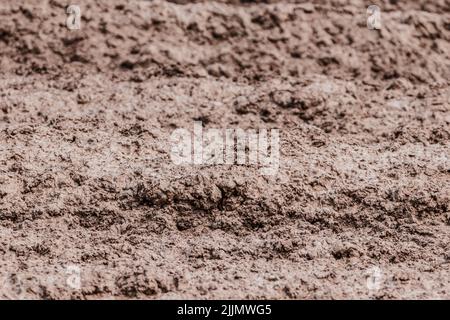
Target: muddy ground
x=91 y=205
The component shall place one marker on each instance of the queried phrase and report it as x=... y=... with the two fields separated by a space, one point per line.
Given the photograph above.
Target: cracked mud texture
x=359 y=208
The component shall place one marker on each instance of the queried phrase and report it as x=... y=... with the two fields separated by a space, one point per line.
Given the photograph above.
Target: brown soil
x=86 y=178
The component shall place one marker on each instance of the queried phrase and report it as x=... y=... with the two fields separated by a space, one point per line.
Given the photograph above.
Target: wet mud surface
x=359 y=206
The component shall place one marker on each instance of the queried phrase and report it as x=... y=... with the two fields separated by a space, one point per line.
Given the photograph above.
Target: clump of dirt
x=92 y=206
